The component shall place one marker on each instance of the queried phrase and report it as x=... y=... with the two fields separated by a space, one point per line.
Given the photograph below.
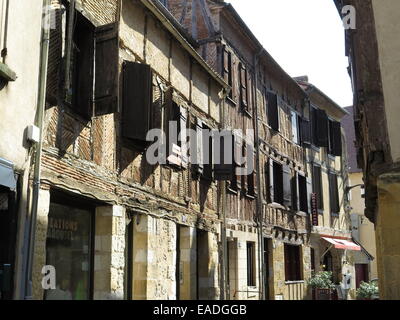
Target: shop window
x=69 y=249
x=251 y=264
x=293 y=264
x=317 y=186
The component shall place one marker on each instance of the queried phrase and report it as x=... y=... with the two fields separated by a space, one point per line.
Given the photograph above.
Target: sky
x=306 y=37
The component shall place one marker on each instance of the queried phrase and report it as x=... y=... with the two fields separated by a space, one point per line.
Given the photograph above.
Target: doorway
x=361 y=273
x=8 y=229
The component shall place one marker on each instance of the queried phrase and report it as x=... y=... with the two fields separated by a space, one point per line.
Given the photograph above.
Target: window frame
x=293 y=263
x=251 y=263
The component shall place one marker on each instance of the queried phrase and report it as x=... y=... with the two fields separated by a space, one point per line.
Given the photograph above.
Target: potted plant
x=368 y=291
x=322 y=285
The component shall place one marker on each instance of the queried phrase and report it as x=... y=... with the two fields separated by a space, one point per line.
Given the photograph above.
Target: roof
x=348 y=126
x=309 y=88
x=170 y=23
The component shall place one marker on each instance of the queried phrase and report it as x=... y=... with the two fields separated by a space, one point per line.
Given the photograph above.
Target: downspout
x=224 y=271
x=5 y=24
x=44 y=53
x=261 y=263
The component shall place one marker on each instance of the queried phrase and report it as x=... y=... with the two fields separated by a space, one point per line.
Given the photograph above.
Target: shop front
x=69 y=247
x=8 y=227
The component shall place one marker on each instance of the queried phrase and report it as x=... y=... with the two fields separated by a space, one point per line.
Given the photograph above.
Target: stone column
x=109 y=261
x=39 y=257
x=388 y=236
x=188 y=265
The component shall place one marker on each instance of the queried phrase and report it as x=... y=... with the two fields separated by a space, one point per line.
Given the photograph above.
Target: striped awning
x=343 y=244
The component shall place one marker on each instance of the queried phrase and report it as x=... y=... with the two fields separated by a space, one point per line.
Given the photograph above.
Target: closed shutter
x=224 y=170
x=183 y=115
x=226 y=65
x=305 y=132
x=106 y=69
x=333 y=193
x=243 y=86
x=303 y=193
x=249 y=94
x=287 y=186
x=309 y=192
x=273 y=113
x=199 y=147
x=251 y=180
x=335 y=139
x=270 y=180
x=295 y=192
x=321 y=128
x=137 y=101
x=238 y=151
x=244 y=178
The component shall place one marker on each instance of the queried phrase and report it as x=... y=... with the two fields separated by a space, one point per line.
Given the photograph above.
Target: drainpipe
x=44 y=53
x=261 y=263
x=3 y=47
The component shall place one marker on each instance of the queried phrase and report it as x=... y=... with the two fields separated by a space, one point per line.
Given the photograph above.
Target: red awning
x=343 y=244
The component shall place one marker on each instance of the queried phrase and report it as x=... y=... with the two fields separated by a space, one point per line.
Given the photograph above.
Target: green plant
x=367 y=290
x=321 y=280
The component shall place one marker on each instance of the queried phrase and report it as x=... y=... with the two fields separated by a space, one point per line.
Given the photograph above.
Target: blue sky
x=306 y=37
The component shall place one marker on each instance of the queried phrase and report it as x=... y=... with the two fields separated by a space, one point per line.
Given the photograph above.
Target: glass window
x=68 y=249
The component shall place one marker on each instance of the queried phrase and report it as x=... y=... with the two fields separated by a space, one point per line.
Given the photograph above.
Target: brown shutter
x=224 y=171
x=287 y=192
x=271 y=180
x=225 y=64
x=137 y=101
x=295 y=192
x=243 y=86
x=183 y=115
x=249 y=93
x=305 y=132
x=273 y=114
x=199 y=147
x=106 y=69
x=238 y=151
x=309 y=192
x=321 y=128
x=335 y=139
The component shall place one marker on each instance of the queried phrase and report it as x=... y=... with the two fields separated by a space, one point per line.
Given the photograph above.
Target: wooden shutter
x=238 y=151
x=336 y=139
x=305 y=132
x=137 y=101
x=321 y=128
x=287 y=258
x=295 y=192
x=106 y=69
x=303 y=193
x=252 y=180
x=309 y=192
x=271 y=180
x=249 y=93
x=199 y=147
x=183 y=115
x=273 y=114
x=287 y=186
x=243 y=86
x=226 y=64
x=333 y=193
x=224 y=171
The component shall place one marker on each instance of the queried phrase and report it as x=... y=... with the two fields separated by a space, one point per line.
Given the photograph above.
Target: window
x=245 y=89
x=303 y=196
x=224 y=167
x=295 y=127
x=251 y=264
x=92 y=70
x=137 y=102
x=319 y=127
x=293 y=265
x=238 y=151
x=207 y=156
x=227 y=63
x=69 y=249
x=273 y=110
x=334 y=194
x=312 y=258
x=317 y=185
x=335 y=138
x=275 y=182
